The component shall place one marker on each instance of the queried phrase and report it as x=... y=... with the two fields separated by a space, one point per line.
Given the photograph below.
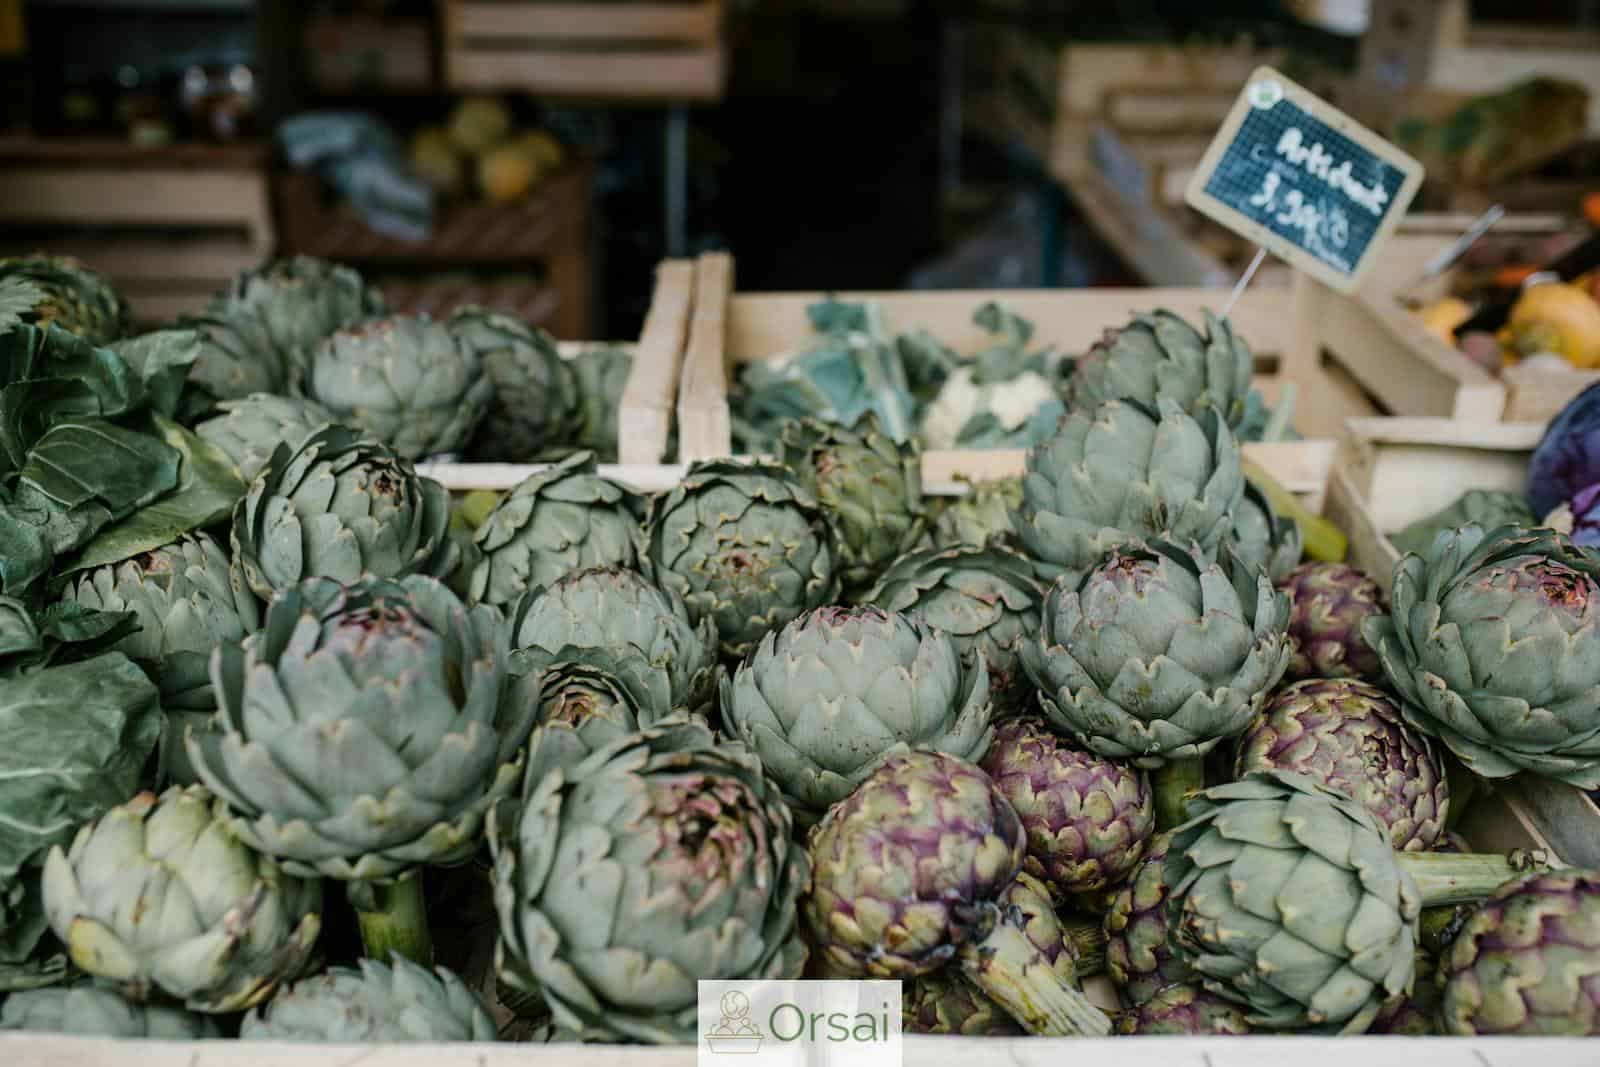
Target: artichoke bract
x=1139 y=957
x=1527 y=961
x=1158 y=654
x=563 y=519
x=599 y=694
x=404 y=379
x=377 y=1003
x=1189 y=1010
x=74 y=297
x=986 y=599
x=745 y=546
x=392 y=728
x=89 y=1011
x=1351 y=737
x=823 y=700
x=248 y=430
x=661 y=859
x=298 y=302
x=1329 y=604
x=908 y=875
x=1417 y=1014
x=1263 y=539
x=1123 y=472
x=1287 y=899
x=1494 y=645
x=1158 y=356
x=619 y=615
x=870 y=485
x=218 y=926
x=946 y=1002
x=979 y=516
x=236 y=357
x=1087 y=819
x=340 y=506
x=534 y=405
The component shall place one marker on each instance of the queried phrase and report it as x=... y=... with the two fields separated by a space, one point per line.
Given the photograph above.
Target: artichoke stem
x=1089 y=938
x=1446 y=878
x=1172 y=783
x=393 y=918
x=1015 y=974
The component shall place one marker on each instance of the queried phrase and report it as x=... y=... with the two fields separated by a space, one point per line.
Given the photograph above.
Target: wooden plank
x=590 y=22
x=705 y=430
x=1539 y=395
x=644 y=419
x=1151 y=110
x=79 y=196
x=1090 y=71
x=21 y=150
x=688 y=75
x=1566 y=817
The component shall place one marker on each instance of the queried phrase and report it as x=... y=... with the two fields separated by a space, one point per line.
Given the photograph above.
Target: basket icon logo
x=735 y=1035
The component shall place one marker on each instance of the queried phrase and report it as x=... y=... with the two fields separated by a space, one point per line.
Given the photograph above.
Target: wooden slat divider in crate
x=650 y=394
x=1391 y=472
x=630 y=51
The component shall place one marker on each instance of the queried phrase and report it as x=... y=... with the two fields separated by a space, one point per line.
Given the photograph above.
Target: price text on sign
x=1304 y=181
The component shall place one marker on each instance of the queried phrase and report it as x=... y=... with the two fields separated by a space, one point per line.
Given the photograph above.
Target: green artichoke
x=1350 y=737
x=88 y=1011
x=71 y=296
x=613 y=615
x=340 y=506
x=661 y=859
x=215 y=925
x=1087 y=819
x=745 y=546
x=597 y=693
x=1123 y=472
x=1527 y=961
x=298 y=302
x=378 y=1004
x=1139 y=957
x=392 y=729
x=1158 y=356
x=869 y=484
x=535 y=407
x=1262 y=538
x=1189 y=1010
x=251 y=428
x=908 y=875
x=601 y=373
x=978 y=516
x=1288 y=900
x=1158 y=653
x=986 y=599
x=1494 y=646
x=406 y=380
x=556 y=521
x=823 y=700
x=946 y=1002
x=236 y=357
x=1329 y=604
x=1488 y=508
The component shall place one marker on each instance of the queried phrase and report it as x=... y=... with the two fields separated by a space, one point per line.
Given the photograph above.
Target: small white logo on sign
x=1265 y=93
x=821 y=1024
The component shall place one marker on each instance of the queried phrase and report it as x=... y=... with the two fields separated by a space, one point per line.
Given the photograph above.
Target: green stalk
x=393 y=918
x=1088 y=936
x=1446 y=878
x=1172 y=782
x=1015 y=974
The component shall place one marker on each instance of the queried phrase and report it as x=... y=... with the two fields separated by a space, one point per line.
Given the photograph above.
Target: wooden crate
x=1392 y=472
x=633 y=51
x=730 y=328
x=167 y=225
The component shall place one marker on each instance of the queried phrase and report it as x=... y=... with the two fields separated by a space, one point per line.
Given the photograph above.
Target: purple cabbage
x=1585 y=505
x=1567 y=460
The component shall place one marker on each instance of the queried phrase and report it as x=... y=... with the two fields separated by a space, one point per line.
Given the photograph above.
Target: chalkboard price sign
x=1304 y=181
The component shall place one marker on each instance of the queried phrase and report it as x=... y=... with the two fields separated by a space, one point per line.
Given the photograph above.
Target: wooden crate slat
x=177 y=197
x=704 y=426
x=650 y=394
x=616 y=21
x=693 y=74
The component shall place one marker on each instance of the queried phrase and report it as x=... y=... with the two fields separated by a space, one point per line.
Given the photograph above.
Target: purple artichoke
x=1329 y=601
x=1585 y=508
x=1187 y=1010
x=1350 y=736
x=946 y=1002
x=1087 y=818
x=1567 y=459
x=910 y=873
x=1528 y=960
x=1139 y=958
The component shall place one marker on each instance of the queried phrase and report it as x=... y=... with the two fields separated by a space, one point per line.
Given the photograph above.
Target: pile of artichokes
x=315 y=752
